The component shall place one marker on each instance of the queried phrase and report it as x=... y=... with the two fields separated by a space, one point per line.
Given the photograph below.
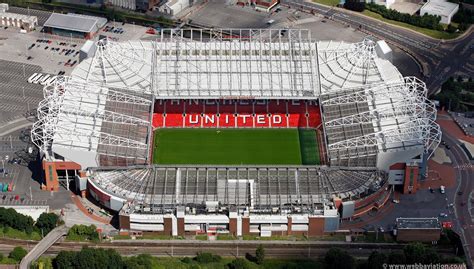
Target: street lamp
x=3 y=166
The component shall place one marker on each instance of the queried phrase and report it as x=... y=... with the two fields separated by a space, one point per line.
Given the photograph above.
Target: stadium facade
x=375 y=128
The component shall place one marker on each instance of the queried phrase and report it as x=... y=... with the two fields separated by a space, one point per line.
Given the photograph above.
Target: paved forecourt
x=235 y=146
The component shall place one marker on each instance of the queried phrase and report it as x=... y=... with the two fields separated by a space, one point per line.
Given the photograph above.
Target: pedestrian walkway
x=79 y=203
x=43 y=245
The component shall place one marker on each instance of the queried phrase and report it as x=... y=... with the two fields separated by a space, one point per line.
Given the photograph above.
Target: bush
x=17 y=253
x=425 y=21
x=83 y=232
x=206 y=257
x=187 y=260
x=141 y=261
x=259 y=254
x=336 y=258
x=354 y=5
x=238 y=263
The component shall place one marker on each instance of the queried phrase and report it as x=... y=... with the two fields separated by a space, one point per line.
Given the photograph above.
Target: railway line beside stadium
x=181 y=248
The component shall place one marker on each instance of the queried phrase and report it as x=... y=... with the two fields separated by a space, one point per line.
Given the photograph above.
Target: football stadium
x=236 y=132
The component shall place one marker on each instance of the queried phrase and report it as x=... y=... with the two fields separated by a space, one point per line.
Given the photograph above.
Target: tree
x=64 y=260
x=99 y=258
x=419 y=253
x=354 y=5
x=46 y=222
x=17 y=253
x=396 y=258
x=206 y=257
x=376 y=260
x=83 y=232
x=238 y=263
x=336 y=258
x=259 y=254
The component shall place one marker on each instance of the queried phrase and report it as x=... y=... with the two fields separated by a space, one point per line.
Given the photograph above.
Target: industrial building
x=74 y=25
x=418 y=229
x=173 y=7
x=21 y=21
x=442 y=8
x=97 y=127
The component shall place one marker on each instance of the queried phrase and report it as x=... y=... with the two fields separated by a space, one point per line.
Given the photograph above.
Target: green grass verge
x=177 y=263
x=122 y=237
x=428 y=32
x=227 y=146
x=276 y=237
x=16 y=234
x=201 y=237
x=309 y=147
x=158 y=237
x=331 y=3
x=225 y=237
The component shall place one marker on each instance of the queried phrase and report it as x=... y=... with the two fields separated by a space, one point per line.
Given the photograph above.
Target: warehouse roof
x=418 y=223
x=440 y=7
x=75 y=22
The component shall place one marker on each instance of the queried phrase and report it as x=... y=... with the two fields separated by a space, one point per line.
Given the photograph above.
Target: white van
x=442 y=189
x=44 y=79
x=37 y=78
x=49 y=81
x=30 y=79
x=270 y=21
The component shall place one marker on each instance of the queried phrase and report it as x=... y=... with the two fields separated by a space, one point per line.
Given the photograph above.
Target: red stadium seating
x=226 y=120
x=314 y=114
x=236 y=114
x=245 y=120
x=158 y=120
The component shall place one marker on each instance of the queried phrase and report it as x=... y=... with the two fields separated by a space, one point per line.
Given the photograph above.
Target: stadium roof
x=77 y=118
x=363 y=121
x=258 y=188
x=368 y=107
x=236 y=63
x=75 y=22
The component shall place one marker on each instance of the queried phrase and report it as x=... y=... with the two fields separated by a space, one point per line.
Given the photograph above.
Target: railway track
x=223 y=248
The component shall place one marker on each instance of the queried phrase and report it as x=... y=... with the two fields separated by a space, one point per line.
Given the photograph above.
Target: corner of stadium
x=241 y=132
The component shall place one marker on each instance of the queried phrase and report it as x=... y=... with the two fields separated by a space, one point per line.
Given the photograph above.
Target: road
x=464 y=222
x=440 y=59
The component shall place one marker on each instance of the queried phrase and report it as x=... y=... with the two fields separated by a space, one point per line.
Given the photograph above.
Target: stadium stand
x=306 y=185
x=236 y=114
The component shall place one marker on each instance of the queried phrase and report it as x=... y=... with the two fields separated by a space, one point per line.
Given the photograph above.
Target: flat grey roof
x=75 y=22
x=418 y=223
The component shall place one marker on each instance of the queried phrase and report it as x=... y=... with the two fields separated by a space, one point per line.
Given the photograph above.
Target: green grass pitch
x=235 y=146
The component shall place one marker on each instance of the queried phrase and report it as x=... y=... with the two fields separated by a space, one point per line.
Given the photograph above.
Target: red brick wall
x=233 y=226
x=168 y=226
x=315 y=227
x=245 y=225
x=181 y=226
